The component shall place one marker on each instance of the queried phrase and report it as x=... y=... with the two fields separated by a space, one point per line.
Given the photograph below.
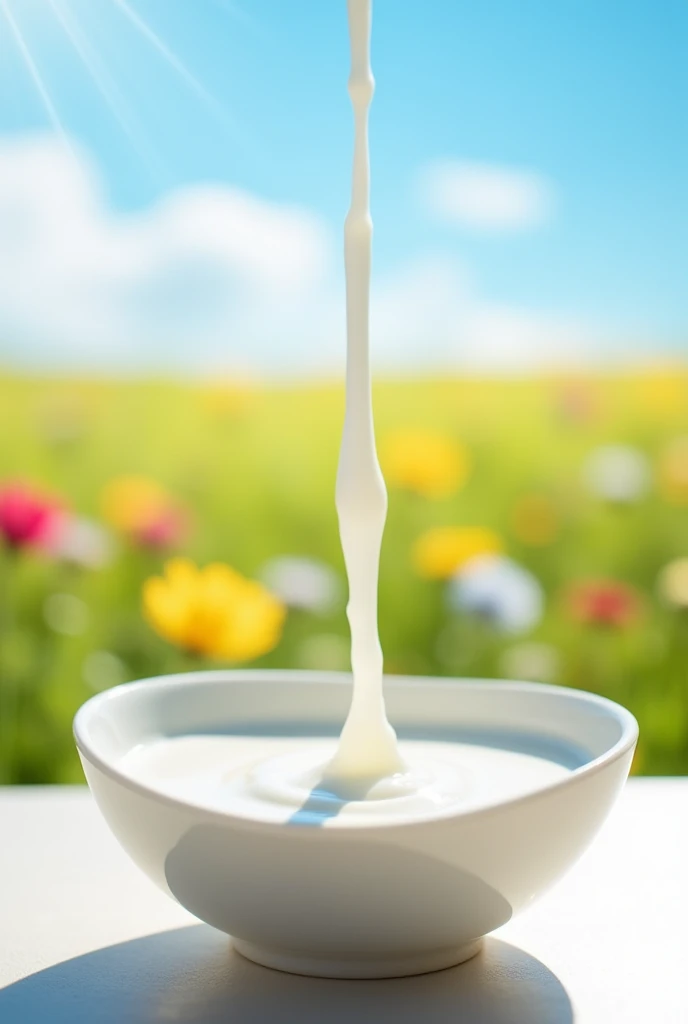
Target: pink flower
x=167 y=529
x=145 y=512
x=28 y=518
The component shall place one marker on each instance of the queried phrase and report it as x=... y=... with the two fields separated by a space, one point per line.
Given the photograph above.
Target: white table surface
x=85 y=938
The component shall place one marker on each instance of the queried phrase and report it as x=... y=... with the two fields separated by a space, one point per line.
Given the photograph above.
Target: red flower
x=604 y=603
x=27 y=517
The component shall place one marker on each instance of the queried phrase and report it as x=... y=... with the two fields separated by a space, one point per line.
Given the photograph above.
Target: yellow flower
x=213 y=611
x=424 y=461
x=534 y=520
x=673 y=582
x=441 y=551
x=673 y=471
x=228 y=399
x=129 y=501
x=664 y=393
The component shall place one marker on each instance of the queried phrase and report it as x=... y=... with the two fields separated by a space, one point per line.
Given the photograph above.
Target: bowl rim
x=626 y=741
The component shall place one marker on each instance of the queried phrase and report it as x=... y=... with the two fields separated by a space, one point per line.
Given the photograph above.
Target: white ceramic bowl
x=373 y=900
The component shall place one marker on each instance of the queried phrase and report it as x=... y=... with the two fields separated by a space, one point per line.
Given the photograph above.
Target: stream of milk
x=367 y=746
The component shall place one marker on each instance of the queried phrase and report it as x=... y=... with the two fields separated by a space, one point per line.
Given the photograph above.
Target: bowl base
x=401 y=966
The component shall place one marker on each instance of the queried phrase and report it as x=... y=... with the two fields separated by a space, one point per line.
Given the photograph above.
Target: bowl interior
x=570 y=727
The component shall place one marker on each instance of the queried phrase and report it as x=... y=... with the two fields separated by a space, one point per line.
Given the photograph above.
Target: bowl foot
x=399 y=966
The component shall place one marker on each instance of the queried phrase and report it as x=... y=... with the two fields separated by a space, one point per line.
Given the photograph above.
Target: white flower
x=326 y=652
x=102 y=669
x=617 y=473
x=497 y=589
x=303 y=583
x=66 y=614
x=537 y=662
x=83 y=542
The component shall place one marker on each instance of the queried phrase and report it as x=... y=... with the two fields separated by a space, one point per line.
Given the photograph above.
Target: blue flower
x=499 y=590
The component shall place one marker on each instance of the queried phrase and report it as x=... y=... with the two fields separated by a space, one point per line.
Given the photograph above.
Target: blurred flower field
x=537 y=529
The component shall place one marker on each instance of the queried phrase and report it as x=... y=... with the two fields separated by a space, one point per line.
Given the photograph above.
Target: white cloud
x=515 y=340
x=429 y=315
x=217 y=279
x=419 y=313
x=485 y=196
x=210 y=276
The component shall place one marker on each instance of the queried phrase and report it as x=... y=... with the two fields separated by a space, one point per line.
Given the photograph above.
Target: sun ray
x=106 y=87
x=172 y=59
x=35 y=74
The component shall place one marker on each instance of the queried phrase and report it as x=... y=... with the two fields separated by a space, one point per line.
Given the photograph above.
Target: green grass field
x=256 y=468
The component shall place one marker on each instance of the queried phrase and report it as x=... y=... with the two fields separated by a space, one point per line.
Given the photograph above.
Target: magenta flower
x=28 y=518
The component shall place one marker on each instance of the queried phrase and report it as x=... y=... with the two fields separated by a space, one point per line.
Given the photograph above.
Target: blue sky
x=585 y=99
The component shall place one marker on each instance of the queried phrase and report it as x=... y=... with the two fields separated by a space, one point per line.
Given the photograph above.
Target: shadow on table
x=191 y=975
